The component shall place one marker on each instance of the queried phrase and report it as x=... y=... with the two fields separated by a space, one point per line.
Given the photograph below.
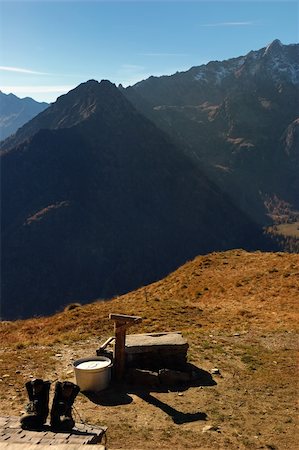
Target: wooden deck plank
x=16 y=446
x=12 y=436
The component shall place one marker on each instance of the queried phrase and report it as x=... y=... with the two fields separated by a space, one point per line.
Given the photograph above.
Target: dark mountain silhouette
x=237 y=119
x=96 y=200
x=14 y=112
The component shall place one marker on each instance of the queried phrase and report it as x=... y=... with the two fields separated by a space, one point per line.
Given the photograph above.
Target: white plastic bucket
x=93 y=373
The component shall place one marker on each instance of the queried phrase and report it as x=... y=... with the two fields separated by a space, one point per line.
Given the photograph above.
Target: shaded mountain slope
x=232 y=118
x=15 y=112
x=102 y=202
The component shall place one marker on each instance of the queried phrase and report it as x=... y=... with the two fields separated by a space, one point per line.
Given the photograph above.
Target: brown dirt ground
x=239 y=312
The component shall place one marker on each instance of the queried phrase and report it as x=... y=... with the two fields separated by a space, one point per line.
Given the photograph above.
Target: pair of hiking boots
x=37 y=409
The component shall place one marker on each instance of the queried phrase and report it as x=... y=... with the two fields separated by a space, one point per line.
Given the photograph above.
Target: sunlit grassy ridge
x=238 y=311
x=234 y=284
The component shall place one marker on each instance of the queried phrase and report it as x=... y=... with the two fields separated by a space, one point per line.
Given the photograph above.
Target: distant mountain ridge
x=238 y=119
x=276 y=62
x=15 y=112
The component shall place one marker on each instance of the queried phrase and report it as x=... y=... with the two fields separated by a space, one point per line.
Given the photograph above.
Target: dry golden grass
x=239 y=312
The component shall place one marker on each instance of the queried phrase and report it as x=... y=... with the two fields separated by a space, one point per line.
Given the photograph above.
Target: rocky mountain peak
x=277 y=62
x=274 y=47
x=281 y=62
x=91 y=99
x=87 y=93
x=93 y=87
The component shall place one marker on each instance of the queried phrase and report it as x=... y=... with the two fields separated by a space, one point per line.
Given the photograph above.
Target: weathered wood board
x=7 y=446
x=13 y=437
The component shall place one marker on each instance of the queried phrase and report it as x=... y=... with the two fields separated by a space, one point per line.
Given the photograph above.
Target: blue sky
x=47 y=48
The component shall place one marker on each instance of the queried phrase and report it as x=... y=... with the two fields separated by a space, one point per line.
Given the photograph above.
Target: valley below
x=239 y=312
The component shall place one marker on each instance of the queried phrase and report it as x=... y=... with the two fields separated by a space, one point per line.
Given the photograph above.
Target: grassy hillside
x=238 y=311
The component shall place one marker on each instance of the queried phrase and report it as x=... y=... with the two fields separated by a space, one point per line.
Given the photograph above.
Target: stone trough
x=155 y=351
x=149 y=358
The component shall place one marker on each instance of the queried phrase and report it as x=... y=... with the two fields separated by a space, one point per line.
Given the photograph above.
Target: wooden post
x=121 y=323
x=119 y=349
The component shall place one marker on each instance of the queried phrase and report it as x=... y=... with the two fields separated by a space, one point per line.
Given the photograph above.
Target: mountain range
x=15 y=112
x=238 y=120
x=109 y=189
x=96 y=200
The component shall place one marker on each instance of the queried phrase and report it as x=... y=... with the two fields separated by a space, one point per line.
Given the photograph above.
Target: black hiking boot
x=38 y=407
x=61 y=411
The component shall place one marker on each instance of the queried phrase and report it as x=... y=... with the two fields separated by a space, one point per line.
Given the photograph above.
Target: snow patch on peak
x=277 y=61
x=287 y=70
x=273 y=46
x=201 y=76
x=220 y=71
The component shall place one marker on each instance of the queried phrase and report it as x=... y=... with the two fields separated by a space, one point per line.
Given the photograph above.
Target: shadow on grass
x=178 y=417
x=119 y=393
x=113 y=396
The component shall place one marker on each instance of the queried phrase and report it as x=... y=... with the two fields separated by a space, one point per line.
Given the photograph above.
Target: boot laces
x=31 y=407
